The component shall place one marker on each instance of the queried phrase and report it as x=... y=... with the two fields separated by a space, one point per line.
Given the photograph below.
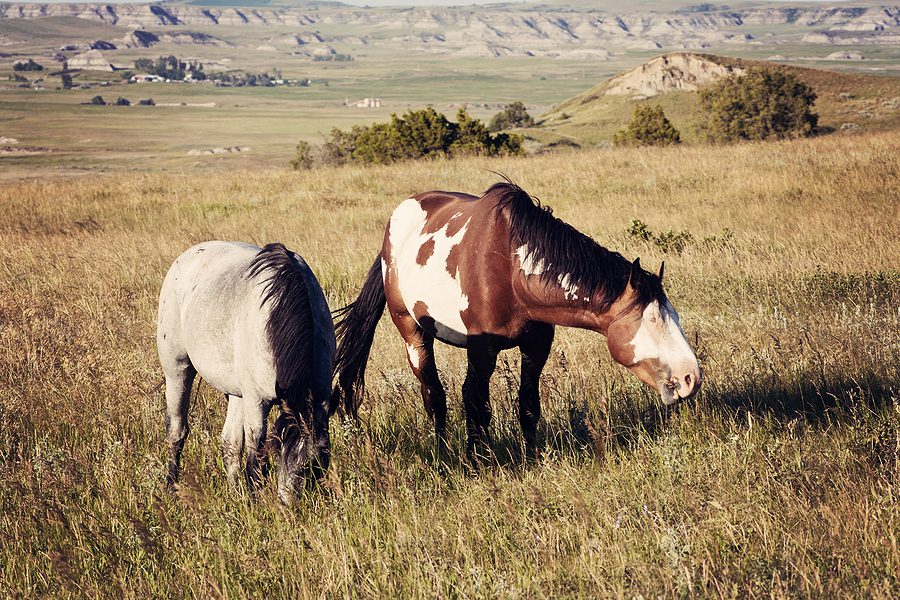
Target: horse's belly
x=426 y=279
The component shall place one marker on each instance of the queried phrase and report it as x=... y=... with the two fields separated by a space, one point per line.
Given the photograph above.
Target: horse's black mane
x=566 y=251
x=290 y=333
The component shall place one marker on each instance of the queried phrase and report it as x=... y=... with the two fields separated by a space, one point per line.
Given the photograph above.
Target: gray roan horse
x=253 y=322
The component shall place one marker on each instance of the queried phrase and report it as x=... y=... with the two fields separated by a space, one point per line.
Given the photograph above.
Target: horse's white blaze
x=431 y=283
x=660 y=337
x=531 y=265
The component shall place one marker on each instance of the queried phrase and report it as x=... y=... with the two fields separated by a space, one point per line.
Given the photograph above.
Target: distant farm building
x=366 y=103
x=143 y=78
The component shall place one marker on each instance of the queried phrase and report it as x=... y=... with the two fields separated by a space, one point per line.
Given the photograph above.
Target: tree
x=763 y=103
x=28 y=65
x=120 y=101
x=473 y=137
x=168 y=67
x=422 y=133
x=98 y=101
x=514 y=115
x=648 y=127
x=66 y=81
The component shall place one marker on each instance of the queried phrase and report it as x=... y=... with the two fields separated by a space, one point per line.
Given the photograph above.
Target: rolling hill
x=845 y=100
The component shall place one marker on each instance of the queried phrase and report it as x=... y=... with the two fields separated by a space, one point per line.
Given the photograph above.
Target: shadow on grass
x=591 y=433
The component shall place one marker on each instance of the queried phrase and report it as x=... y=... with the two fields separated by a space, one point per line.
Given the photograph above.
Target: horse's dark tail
x=290 y=334
x=355 y=332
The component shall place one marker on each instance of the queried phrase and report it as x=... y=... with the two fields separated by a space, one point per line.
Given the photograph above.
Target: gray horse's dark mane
x=290 y=334
x=565 y=251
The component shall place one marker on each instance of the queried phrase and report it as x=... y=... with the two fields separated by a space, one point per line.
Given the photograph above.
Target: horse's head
x=305 y=452
x=648 y=340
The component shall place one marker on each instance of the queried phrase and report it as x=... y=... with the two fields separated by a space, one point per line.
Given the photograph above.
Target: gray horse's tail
x=355 y=332
x=290 y=334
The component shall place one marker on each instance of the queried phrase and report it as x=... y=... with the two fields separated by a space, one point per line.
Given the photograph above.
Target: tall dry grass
x=779 y=480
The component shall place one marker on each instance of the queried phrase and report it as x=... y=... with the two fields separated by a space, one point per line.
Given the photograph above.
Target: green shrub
x=763 y=103
x=667 y=241
x=303 y=159
x=675 y=242
x=648 y=127
x=416 y=134
x=514 y=115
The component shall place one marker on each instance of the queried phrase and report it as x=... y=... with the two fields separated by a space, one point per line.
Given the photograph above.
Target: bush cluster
x=245 y=79
x=514 y=115
x=417 y=134
x=120 y=101
x=170 y=67
x=675 y=242
x=762 y=103
x=29 y=65
x=648 y=127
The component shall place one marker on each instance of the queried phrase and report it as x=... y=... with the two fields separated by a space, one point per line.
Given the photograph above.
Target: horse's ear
x=636 y=273
x=662 y=269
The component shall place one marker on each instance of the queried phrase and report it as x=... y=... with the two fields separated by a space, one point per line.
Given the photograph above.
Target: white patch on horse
x=431 y=283
x=531 y=265
x=383 y=270
x=570 y=289
x=413 y=355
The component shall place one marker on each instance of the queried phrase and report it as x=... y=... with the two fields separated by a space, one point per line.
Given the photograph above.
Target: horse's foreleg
x=535 y=348
x=482 y=362
x=233 y=439
x=178 y=397
x=255 y=415
x=420 y=354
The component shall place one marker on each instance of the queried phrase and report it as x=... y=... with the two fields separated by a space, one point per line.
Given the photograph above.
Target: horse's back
x=214 y=315
x=203 y=300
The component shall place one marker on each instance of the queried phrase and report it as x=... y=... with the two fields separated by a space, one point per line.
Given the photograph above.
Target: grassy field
x=78 y=138
x=779 y=480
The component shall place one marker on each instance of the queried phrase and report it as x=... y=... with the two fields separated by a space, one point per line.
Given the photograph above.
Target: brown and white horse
x=496 y=272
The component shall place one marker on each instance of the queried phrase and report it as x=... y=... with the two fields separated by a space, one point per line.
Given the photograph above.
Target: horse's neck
x=557 y=306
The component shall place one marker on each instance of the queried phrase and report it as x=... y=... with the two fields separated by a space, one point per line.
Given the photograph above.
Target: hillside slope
x=868 y=102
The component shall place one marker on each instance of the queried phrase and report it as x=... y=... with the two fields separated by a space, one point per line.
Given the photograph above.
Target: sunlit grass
x=779 y=480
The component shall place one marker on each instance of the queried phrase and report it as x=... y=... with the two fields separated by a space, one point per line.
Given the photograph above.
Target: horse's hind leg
x=535 y=348
x=179 y=380
x=233 y=439
x=420 y=354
